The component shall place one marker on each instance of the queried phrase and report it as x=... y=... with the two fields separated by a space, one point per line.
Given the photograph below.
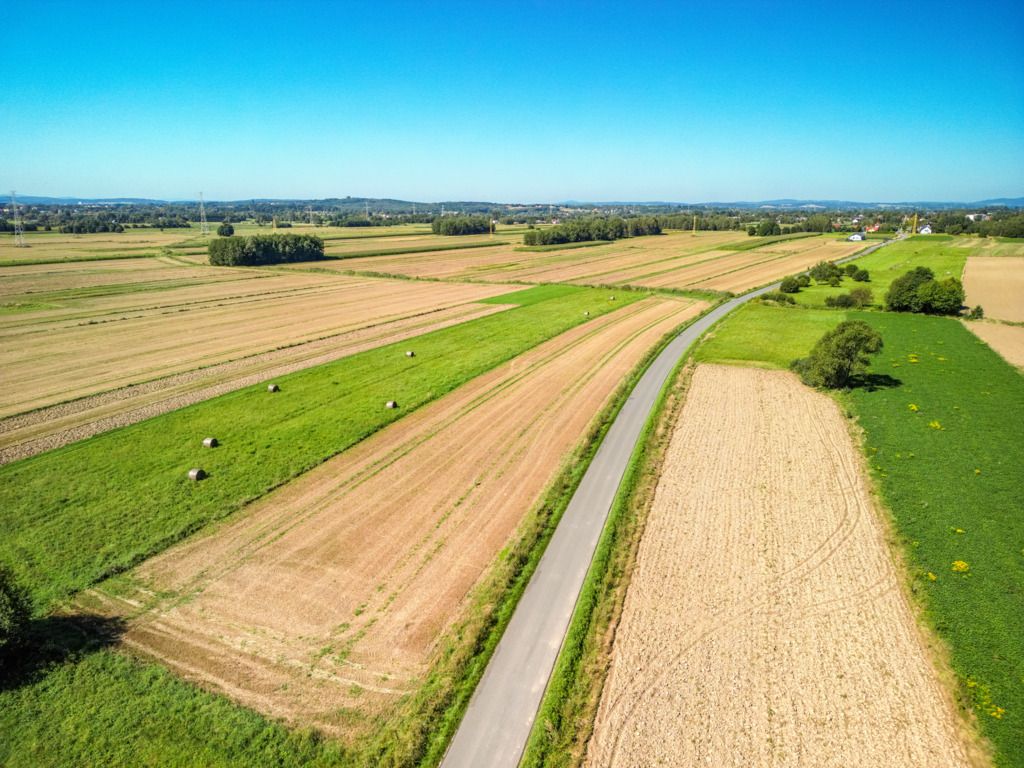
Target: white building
x=926 y=229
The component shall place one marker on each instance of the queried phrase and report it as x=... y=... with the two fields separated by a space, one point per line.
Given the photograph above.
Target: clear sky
x=514 y=101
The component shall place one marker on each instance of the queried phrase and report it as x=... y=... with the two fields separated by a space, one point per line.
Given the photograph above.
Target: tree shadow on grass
x=871 y=382
x=53 y=640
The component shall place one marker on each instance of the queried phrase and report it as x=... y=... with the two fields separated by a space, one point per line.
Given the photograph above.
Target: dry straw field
x=333 y=593
x=997 y=284
x=123 y=349
x=766 y=623
x=678 y=260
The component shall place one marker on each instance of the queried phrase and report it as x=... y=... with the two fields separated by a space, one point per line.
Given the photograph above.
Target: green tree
x=941 y=297
x=839 y=355
x=15 y=610
x=225 y=230
x=862 y=276
x=789 y=285
x=902 y=295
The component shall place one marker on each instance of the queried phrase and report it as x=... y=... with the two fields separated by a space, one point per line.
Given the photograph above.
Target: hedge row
x=265 y=249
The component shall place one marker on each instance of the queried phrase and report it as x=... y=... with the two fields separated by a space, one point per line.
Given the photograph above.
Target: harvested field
x=104 y=343
x=325 y=600
x=997 y=284
x=1007 y=340
x=48 y=428
x=57 y=247
x=676 y=260
x=765 y=623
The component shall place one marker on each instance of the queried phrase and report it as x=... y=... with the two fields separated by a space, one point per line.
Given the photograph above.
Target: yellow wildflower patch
x=960 y=566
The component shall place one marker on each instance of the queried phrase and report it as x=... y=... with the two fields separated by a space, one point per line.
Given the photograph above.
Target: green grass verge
x=949 y=470
x=105 y=704
x=92 y=509
x=562 y=246
x=943 y=257
x=414 y=249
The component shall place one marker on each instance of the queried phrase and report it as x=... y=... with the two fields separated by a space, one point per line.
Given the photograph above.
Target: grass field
x=943 y=257
x=945 y=453
x=77 y=514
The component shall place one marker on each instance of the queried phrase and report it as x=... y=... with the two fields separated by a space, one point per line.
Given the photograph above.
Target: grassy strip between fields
x=945 y=443
x=758 y=242
x=95 y=508
x=565 y=719
x=90 y=257
x=72 y=710
x=561 y=246
x=415 y=249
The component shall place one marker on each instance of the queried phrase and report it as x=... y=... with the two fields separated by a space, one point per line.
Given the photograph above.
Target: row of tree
x=461 y=225
x=919 y=291
x=265 y=249
x=584 y=230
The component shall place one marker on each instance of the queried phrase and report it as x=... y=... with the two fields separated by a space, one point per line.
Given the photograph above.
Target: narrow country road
x=497 y=723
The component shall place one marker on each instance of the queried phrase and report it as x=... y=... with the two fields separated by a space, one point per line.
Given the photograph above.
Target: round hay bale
x=211 y=442
x=586 y=314
x=196 y=474
x=391 y=404
x=611 y=298
x=273 y=388
x=410 y=353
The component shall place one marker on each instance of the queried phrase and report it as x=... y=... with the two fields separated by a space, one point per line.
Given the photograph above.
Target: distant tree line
x=704 y=223
x=265 y=249
x=583 y=230
x=461 y=225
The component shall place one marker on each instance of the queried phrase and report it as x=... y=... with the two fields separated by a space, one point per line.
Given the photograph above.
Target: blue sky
x=524 y=101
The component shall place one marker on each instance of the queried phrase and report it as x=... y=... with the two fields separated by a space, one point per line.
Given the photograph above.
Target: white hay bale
x=211 y=442
x=273 y=388
x=410 y=353
x=391 y=404
x=611 y=298
x=586 y=314
x=196 y=474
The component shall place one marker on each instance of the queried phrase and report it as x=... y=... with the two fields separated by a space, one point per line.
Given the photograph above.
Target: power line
x=19 y=230
x=204 y=228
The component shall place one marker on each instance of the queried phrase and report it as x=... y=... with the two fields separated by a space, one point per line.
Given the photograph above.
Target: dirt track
x=997 y=284
x=765 y=624
x=334 y=591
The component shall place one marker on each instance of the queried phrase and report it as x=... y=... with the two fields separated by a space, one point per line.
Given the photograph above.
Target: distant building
x=925 y=230
x=856 y=236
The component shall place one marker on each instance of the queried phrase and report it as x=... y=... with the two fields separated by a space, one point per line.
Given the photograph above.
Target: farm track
x=335 y=590
x=49 y=362
x=765 y=623
x=48 y=428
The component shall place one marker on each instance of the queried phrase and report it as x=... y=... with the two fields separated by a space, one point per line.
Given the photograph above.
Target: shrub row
x=265 y=249
x=461 y=225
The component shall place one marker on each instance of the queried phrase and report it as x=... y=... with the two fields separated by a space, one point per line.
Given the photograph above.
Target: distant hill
x=355 y=204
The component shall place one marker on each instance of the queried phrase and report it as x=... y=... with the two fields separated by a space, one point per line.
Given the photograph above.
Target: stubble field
x=765 y=622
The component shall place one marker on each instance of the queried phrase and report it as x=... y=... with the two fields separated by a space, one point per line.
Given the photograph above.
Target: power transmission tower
x=367 y=204
x=19 y=230
x=204 y=228
x=309 y=212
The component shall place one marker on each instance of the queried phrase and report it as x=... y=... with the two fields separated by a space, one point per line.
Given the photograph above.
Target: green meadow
x=944 y=439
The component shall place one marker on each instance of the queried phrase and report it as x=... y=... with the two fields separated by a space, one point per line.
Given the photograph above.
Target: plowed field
x=1007 y=340
x=334 y=591
x=765 y=624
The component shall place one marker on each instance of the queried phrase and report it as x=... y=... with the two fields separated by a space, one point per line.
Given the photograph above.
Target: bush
x=839 y=355
x=977 y=313
x=15 y=610
x=777 y=296
x=826 y=272
x=225 y=230
x=789 y=285
x=265 y=249
x=850 y=270
x=857 y=297
x=804 y=280
x=862 y=276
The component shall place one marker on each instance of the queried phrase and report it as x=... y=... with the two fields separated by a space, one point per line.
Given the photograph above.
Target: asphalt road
x=497 y=723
